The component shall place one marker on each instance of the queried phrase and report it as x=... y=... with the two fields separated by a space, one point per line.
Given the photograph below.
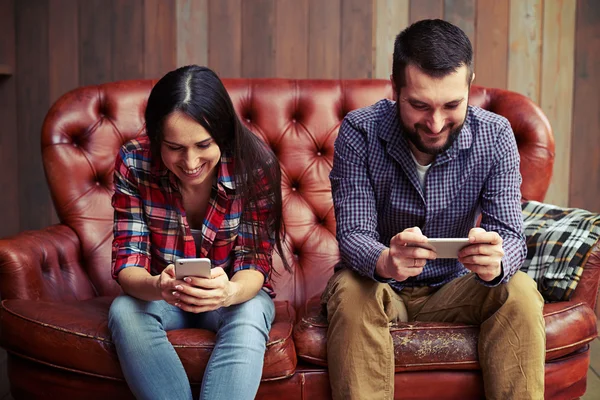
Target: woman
x=198 y=185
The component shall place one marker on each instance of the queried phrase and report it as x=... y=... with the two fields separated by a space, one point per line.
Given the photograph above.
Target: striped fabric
x=559 y=241
x=151 y=229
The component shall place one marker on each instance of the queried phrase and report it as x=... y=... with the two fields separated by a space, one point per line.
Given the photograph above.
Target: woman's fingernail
x=187 y=279
x=178 y=287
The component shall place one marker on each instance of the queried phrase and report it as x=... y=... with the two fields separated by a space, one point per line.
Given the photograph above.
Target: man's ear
x=393 y=84
x=473 y=78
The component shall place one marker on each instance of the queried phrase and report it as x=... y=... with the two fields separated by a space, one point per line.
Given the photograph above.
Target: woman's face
x=188 y=150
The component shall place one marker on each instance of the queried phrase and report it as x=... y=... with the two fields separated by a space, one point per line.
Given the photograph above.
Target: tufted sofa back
x=299 y=120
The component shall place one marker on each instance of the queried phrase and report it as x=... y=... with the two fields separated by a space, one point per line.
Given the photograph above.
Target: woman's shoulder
x=140 y=145
x=136 y=150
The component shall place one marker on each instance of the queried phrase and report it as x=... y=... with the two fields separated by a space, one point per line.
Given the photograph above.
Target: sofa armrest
x=43 y=265
x=587 y=288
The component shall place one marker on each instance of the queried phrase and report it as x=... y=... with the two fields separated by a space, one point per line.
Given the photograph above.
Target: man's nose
x=436 y=123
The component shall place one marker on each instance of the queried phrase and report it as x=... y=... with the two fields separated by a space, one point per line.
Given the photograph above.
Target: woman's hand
x=166 y=284
x=196 y=295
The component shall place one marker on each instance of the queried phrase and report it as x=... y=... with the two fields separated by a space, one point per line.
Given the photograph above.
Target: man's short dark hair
x=437 y=47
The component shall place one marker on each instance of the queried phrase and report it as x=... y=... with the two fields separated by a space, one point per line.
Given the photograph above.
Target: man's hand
x=198 y=295
x=483 y=255
x=404 y=258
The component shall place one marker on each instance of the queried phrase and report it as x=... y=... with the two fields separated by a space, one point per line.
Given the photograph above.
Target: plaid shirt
x=376 y=191
x=151 y=229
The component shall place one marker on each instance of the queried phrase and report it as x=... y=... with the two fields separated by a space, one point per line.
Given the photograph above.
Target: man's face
x=432 y=110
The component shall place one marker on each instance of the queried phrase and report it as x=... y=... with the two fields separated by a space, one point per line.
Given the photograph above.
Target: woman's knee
x=259 y=312
x=127 y=312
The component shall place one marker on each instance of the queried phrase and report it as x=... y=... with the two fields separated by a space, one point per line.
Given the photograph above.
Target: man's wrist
x=380 y=274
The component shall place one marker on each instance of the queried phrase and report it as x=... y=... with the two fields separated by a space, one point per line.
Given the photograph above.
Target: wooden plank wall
x=546 y=49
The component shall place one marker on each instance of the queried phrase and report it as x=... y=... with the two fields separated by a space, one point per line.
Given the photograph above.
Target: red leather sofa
x=56 y=286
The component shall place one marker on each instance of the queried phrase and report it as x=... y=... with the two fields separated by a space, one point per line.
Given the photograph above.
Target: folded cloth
x=559 y=241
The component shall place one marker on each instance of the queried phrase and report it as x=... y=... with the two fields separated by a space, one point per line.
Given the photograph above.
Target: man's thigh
x=350 y=291
x=466 y=300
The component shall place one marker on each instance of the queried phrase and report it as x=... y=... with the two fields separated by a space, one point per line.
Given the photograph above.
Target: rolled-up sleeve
x=131 y=242
x=254 y=243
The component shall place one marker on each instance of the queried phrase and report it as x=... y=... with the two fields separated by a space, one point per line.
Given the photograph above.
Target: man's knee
x=352 y=297
x=348 y=286
x=522 y=289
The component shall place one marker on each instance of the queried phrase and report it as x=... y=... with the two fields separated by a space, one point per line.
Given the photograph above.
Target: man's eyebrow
x=457 y=101
x=419 y=102
x=416 y=101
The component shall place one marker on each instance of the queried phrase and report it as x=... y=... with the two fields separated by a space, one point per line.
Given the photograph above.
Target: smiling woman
x=198 y=185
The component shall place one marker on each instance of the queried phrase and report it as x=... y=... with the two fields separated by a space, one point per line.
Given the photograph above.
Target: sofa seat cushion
x=75 y=336
x=449 y=346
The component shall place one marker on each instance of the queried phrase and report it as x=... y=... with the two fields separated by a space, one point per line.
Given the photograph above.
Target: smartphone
x=192 y=267
x=446 y=247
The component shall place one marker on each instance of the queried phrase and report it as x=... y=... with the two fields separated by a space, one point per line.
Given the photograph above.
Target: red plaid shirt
x=151 y=229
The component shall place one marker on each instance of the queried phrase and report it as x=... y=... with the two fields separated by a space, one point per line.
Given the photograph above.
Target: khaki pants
x=360 y=352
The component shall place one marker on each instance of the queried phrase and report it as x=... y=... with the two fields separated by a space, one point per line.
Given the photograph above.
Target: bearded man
x=427 y=165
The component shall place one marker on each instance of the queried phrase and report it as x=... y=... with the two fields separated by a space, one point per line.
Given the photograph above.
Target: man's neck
x=422 y=158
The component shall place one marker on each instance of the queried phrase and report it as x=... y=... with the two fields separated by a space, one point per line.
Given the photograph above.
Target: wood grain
x=525 y=44
x=9 y=150
x=225 y=37
x=324 y=39
x=462 y=14
x=391 y=17
x=127 y=39
x=192 y=32
x=291 y=39
x=95 y=32
x=556 y=89
x=585 y=144
x=491 y=43
x=63 y=39
x=160 y=41
x=258 y=38
x=356 y=60
x=426 y=9
x=35 y=206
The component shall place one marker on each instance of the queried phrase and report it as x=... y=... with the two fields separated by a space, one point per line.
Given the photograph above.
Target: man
x=426 y=166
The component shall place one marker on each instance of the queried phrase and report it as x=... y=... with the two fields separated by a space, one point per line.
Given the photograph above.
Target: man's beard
x=413 y=136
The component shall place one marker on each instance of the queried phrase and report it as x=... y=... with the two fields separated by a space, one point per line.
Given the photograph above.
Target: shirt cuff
x=497 y=280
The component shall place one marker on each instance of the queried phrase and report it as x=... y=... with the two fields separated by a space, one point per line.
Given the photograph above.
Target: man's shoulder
x=487 y=119
x=373 y=114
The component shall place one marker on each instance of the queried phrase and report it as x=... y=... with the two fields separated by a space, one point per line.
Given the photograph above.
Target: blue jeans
x=151 y=366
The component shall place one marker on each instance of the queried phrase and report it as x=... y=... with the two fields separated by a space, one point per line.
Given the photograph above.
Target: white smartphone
x=446 y=247
x=192 y=267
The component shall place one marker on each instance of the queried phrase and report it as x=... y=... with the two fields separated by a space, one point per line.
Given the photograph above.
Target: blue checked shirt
x=376 y=191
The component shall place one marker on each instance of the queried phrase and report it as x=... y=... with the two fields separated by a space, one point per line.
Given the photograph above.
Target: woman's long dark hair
x=199 y=93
